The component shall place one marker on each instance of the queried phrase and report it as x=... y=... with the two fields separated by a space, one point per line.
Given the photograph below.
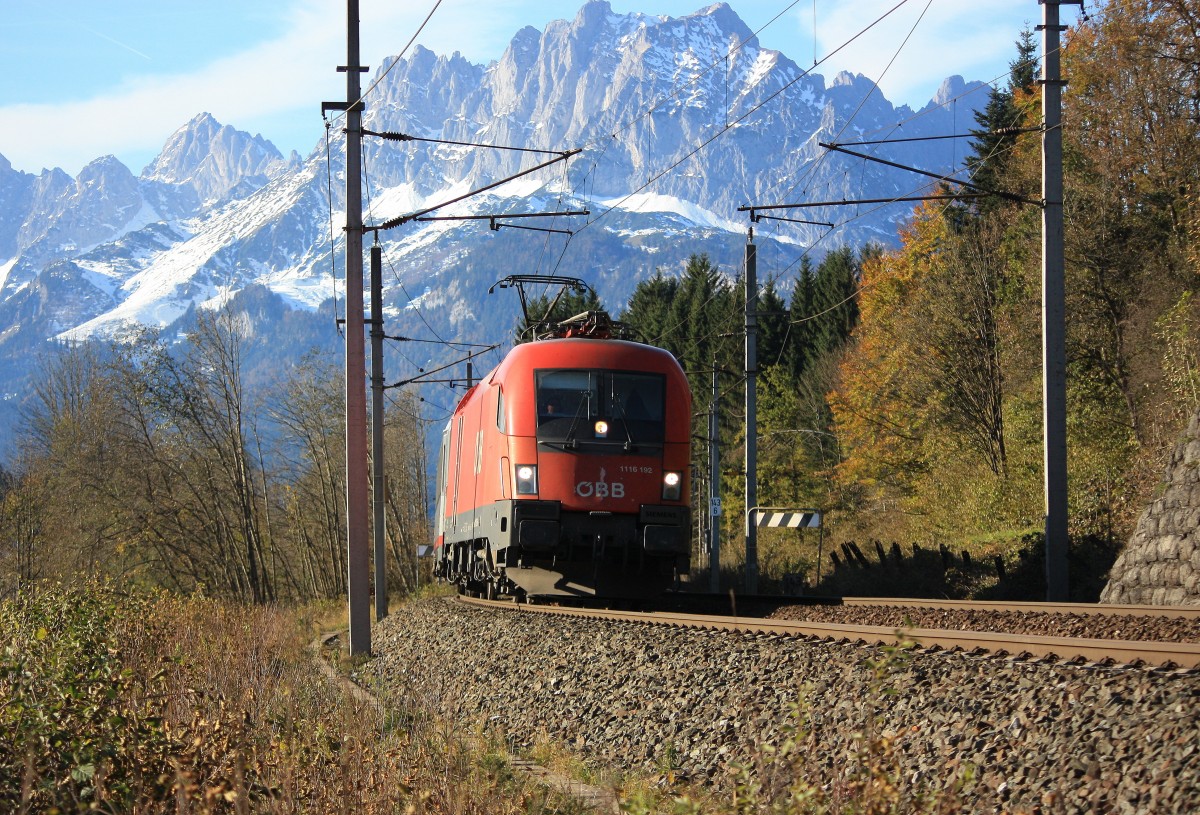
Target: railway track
x=711 y=699
x=1107 y=651
x=1187 y=612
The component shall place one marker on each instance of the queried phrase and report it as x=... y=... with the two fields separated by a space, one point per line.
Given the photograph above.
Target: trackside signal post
x=786 y=518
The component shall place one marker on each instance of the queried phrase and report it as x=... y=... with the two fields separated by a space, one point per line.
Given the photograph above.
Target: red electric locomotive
x=565 y=470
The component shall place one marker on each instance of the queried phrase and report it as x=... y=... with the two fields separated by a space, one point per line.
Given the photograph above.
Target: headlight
x=601 y=430
x=527 y=479
x=672 y=485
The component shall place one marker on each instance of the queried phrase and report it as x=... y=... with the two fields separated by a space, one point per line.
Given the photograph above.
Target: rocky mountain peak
x=953 y=87
x=677 y=122
x=95 y=206
x=16 y=191
x=846 y=79
x=593 y=13
x=727 y=22
x=103 y=171
x=577 y=82
x=215 y=159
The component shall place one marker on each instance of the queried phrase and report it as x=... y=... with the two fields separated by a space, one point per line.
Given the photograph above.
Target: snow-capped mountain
x=679 y=121
x=216 y=161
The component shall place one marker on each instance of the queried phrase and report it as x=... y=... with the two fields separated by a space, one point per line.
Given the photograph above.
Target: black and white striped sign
x=788 y=520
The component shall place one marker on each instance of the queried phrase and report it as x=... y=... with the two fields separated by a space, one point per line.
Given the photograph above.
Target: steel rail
x=1067 y=649
x=1104 y=609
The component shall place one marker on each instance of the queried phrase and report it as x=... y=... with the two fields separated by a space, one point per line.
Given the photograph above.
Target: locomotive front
x=590 y=451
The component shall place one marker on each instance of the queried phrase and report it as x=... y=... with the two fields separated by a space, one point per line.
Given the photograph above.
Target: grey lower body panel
x=539 y=549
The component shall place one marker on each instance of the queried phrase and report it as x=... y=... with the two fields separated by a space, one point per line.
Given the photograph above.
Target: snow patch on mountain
x=653 y=202
x=199 y=268
x=678 y=122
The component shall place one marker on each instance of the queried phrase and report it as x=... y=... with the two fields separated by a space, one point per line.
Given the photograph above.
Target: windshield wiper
x=570 y=440
x=630 y=444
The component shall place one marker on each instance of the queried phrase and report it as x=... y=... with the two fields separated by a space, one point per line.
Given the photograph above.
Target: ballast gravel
x=1150 y=628
x=1014 y=736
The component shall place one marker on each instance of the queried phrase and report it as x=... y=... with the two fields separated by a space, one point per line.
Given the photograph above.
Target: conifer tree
x=1005 y=110
x=702 y=310
x=772 y=326
x=835 y=303
x=798 y=351
x=648 y=312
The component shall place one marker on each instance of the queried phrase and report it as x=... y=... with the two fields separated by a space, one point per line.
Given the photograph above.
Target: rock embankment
x=1039 y=736
x=1161 y=563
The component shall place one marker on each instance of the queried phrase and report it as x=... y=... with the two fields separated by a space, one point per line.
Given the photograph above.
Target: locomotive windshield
x=600 y=411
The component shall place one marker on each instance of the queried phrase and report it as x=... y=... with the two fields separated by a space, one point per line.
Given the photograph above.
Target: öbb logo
x=600 y=489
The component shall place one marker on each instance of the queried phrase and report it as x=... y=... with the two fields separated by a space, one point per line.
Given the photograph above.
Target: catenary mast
x=357 y=544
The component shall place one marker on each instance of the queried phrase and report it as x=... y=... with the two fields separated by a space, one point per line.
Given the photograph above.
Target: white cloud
x=138 y=116
x=277 y=86
x=944 y=37
x=279 y=83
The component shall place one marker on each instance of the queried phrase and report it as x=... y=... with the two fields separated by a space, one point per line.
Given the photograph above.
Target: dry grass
x=155 y=703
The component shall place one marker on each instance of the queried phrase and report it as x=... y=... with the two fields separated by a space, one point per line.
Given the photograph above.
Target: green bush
x=78 y=727
x=146 y=703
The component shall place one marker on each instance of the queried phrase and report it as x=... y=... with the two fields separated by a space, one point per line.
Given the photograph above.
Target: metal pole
x=714 y=491
x=820 y=547
x=378 y=478
x=357 y=550
x=1054 y=353
x=751 y=414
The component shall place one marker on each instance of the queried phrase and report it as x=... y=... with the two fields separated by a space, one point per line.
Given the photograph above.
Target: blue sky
x=80 y=79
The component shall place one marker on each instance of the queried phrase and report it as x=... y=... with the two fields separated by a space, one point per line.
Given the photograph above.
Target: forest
x=899 y=390
x=155 y=467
